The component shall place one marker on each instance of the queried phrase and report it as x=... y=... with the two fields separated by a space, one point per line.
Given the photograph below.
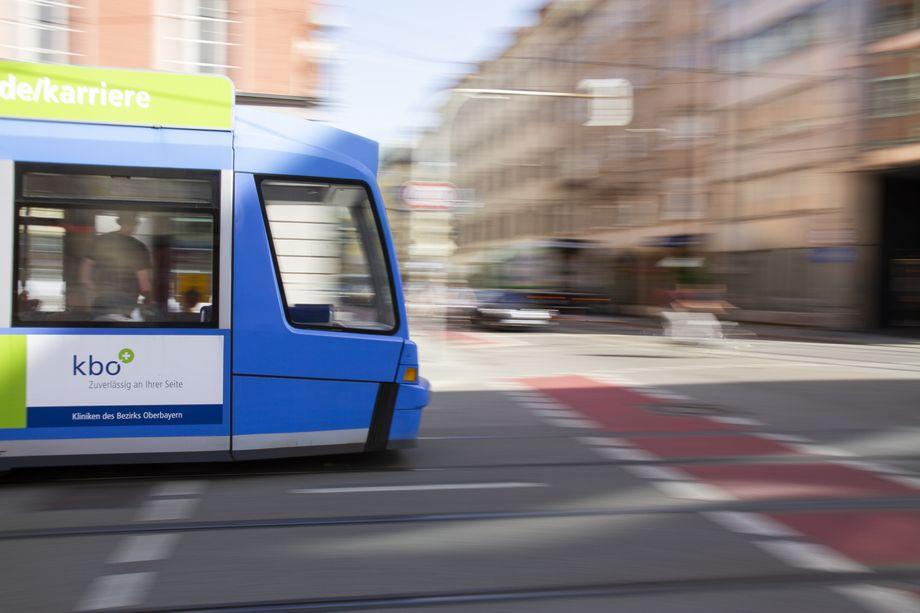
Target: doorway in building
x=900 y=250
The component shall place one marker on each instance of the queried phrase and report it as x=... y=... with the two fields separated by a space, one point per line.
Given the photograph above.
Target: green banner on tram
x=57 y=92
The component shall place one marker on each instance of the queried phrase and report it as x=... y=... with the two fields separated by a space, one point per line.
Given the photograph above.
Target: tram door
x=315 y=318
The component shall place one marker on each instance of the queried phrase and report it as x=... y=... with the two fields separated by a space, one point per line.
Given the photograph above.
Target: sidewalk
x=653 y=325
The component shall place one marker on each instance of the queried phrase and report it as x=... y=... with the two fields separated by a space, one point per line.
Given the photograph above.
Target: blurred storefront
x=891 y=156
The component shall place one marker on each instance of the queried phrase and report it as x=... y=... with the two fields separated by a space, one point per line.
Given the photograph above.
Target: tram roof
x=282 y=143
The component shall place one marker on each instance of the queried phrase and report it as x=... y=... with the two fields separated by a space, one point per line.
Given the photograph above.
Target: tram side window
x=329 y=255
x=114 y=251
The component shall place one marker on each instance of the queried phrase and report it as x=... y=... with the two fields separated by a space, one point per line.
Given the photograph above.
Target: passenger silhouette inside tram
x=117 y=271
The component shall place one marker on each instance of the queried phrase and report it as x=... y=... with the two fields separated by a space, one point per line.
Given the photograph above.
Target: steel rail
x=762 y=506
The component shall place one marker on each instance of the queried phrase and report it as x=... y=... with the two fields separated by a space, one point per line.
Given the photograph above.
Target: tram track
x=768 y=506
x=613 y=589
x=31 y=477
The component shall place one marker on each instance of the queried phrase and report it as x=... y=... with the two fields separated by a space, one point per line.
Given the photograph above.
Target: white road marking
x=179 y=488
x=627 y=454
x=665 y=395
x=880 y=599
x=657 y=473
x=115 y=591
x=544 y=400
x=872 y=467
x=751 y=523
x=691 y=490
x=785 y=438
x=165 y=509
x=524 y=393
x=726 y=366
x=811 y=556
x=735 y=421
x=545 y=405
x=823 y=450
x=606 y=377
x=417 y=488
x=603 y=441
x=911 y=482
x=553 y=413
x=526 y=400
x=144 y=548
x=572 y=422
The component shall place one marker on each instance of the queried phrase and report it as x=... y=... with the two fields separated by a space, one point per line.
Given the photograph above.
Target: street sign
x=429 y=195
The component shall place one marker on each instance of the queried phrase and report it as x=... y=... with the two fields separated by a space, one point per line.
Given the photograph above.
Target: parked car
x=571 y=303
x=506 y=310
x=460 y=305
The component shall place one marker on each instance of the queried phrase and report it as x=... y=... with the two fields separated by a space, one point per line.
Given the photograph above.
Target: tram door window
x=329 y=255
x=115 y=250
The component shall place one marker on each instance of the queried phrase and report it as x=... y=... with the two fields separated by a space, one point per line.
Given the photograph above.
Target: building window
x=894 y=17
x=685 y=131
x=36 y=31
x=683 y=199
x=125 y=249
x=774 y=42
x=329 y=255
x=193 y=35
x=895 y=96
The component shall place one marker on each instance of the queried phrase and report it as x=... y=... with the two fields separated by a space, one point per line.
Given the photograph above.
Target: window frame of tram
x=104 y=200
x=376 y=278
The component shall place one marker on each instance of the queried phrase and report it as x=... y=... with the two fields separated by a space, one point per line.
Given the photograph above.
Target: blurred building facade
x=272 y=49
x=395 y=171
x=786 y=226
x=765 y=137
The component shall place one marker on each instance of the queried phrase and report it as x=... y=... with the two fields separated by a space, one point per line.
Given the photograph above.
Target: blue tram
x=188 y=279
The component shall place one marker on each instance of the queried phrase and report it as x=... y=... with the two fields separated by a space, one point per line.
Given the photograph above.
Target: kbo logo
x=92 y=367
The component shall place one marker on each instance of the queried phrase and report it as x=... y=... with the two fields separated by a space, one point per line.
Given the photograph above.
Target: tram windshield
x=96 y=249
x=329 y=255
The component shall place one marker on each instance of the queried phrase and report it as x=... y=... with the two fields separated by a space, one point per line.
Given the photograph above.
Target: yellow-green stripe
x=12 y=381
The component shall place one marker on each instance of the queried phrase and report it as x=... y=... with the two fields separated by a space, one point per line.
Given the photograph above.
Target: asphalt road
x=556 y=472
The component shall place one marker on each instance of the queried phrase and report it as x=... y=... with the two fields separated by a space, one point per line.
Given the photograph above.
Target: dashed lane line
x=879 y=599
x=656 y=473
x=822 y=450
x=906 y=480
x=179 y=488
x=122 y=590
x=784 y=438
x=811 y=556
x=166 y=509
x=603 y=441
x=783 y=542
x=625 y=454
x=417 y=488
x=145 y=548
x=755 y=524
x=553 y=414
x=691 y=490
x=116 y=591
x=734 y=420
x=571 y=422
